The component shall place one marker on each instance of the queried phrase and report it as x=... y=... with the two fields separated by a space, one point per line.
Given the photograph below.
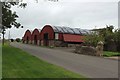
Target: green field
x=110 y=54
x=19 y=64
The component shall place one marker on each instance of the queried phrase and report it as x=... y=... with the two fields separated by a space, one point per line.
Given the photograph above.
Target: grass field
x=110 y=54
x=19 y=64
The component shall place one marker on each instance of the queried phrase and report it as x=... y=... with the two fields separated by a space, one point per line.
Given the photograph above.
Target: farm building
x=61 y=36
x=55 y=36
x=36 y=36
x=27 y=37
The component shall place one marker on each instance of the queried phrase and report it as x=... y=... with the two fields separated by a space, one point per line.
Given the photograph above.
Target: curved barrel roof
x=71 y=30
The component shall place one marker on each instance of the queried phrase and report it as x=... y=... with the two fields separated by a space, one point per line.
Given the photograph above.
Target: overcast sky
x=77 y=14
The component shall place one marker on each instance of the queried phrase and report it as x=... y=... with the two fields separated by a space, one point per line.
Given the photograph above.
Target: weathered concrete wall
x=51 y=42
x=27 y=42
x=58 y=43
x=73 y=45
x=42 y=43
x=38 y=42
x=87 y=50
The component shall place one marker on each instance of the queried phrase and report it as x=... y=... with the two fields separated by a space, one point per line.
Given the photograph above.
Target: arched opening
x=27 y=40
x=35 y=39
x=46 y=41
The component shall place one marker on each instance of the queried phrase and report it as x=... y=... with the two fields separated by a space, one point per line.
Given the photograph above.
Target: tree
x=18 y=39
x=117 y=38
x=111 y=39
x=93 y=38
x=8 y=17
x=102 y=34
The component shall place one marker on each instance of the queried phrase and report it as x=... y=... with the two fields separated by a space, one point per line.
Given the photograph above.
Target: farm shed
x=27 y=37
x=62 y=36
x=36 y=37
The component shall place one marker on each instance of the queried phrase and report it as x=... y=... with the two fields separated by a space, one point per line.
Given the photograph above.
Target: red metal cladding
x=60 y=36
x=27 y=35
x=47 y=29
x=36 y=33
x=72 y=38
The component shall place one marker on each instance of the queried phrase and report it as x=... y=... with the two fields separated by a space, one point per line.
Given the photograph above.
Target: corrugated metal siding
x=60 y=36
x=72 y=38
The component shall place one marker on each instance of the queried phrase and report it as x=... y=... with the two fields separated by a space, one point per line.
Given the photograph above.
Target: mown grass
x=19 y=64
x=110 y=54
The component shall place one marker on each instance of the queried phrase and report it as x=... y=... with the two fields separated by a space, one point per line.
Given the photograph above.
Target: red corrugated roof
x=72 y=38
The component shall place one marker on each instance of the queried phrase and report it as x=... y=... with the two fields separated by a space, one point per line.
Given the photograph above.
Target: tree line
x=109 y=36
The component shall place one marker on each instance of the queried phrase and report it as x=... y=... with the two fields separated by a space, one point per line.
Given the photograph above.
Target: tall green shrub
x=93 y=39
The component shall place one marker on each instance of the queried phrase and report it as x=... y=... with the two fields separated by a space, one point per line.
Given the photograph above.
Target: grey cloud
x=84 y=15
